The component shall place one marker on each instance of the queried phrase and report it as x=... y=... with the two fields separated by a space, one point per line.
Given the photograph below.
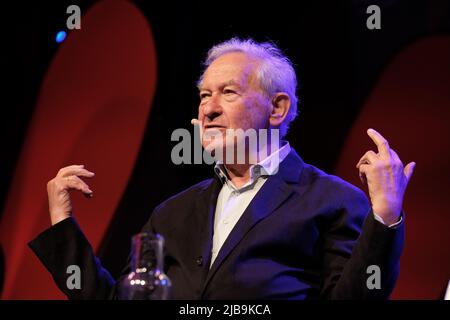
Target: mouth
x=214 y=126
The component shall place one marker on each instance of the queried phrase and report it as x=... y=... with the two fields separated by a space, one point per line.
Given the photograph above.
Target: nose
x=212 y=108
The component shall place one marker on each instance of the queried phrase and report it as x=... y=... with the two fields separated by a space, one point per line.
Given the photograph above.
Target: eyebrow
x=231 y=82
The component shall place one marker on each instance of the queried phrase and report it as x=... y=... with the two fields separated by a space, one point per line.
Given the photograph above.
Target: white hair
x=275 y=73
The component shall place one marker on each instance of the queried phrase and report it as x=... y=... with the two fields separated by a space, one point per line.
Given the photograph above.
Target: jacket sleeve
x=64 y=245
x=361 y=255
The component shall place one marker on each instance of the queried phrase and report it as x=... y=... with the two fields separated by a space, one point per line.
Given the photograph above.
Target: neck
x=239 y=174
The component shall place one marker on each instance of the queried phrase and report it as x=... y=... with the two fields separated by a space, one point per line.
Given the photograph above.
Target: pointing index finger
x=380 y=141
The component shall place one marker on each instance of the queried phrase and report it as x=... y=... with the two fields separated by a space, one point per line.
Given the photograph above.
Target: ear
x=280 y=108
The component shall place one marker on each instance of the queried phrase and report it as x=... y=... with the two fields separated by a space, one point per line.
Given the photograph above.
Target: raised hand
x=386 y=178
x=67 y=179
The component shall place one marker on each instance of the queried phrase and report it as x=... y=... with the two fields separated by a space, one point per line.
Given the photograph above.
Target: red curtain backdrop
x=92 y=109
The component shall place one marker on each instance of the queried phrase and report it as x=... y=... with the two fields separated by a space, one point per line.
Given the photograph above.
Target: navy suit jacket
x=305 y=235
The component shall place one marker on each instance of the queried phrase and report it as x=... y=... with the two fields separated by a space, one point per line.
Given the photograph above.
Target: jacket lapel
x=204 y=210
x=273 y=193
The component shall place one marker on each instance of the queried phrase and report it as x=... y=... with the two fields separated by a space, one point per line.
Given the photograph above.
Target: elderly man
x=274 y=228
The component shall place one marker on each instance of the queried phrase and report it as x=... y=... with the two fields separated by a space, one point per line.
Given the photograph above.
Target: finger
x=369 y=157
x=395 y=156
x=362 y=173
x=75 y=166
x=76 y=172
x=380 y=141
x=409 y=169
x=85 y=173
x=76 y=183
x=64 y=171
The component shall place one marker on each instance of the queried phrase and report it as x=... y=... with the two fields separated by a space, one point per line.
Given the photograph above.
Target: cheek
x=200 y=112
x=242 y=117
x=257 y=111
x=250 y=112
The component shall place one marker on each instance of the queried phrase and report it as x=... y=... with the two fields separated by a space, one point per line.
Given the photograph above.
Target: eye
x=229 y=91
x=204 y=95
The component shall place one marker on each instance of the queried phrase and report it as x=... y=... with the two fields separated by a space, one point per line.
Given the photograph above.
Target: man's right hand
x=68 y=178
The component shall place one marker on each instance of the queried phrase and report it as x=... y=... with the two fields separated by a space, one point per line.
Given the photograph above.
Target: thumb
x=409 y=169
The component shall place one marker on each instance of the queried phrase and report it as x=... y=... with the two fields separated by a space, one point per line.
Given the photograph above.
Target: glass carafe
x=147 y=280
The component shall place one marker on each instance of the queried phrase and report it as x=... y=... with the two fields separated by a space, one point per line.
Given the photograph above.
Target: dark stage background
x=339 y=64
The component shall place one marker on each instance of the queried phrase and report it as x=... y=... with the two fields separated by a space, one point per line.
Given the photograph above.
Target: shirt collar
x=267 y=167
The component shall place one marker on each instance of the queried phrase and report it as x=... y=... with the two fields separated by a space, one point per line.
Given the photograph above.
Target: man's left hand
x=386 y=178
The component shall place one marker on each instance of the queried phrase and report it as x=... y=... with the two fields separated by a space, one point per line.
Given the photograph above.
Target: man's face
x=231 y=98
